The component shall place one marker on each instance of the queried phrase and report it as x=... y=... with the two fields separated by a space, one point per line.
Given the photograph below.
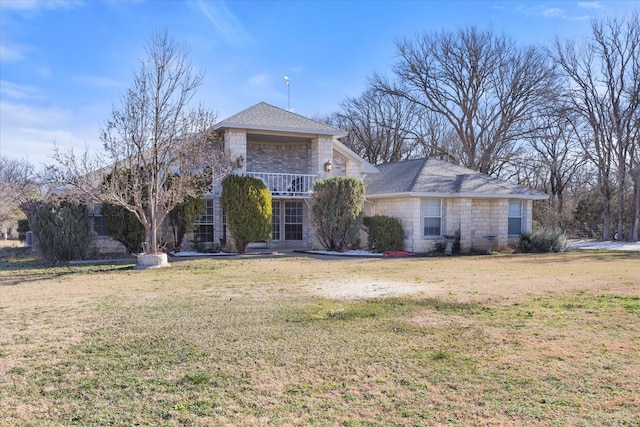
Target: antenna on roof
x=286 y=80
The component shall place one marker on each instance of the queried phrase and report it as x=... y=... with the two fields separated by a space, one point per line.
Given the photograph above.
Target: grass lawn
x=549 y=339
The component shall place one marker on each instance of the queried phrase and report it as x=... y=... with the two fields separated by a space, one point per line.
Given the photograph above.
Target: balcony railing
x=286 y=184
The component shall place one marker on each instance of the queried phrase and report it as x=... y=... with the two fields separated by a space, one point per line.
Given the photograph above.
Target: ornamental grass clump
x=544 y=240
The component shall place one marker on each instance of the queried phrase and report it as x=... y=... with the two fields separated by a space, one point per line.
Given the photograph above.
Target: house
x=434 y=199
x=288 y=152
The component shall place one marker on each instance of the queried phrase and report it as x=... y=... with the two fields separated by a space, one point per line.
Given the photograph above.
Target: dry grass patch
x=500 y=340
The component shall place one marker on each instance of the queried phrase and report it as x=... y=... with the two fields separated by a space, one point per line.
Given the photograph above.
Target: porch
x=283 y=185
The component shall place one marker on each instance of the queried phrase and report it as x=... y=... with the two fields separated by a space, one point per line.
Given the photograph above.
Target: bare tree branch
x=155 y=146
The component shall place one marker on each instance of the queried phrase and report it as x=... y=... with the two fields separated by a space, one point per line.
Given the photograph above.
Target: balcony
x=286 y=184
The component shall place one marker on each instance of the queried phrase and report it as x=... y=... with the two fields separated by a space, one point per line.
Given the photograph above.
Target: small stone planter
x=145 y=261
x=450 y=239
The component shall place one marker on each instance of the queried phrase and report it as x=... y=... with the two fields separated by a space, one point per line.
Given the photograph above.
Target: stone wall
x=279 y=158
x=105 y=246
x=408 y=211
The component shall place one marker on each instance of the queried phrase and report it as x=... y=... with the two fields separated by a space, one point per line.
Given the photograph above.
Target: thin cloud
x=225 y=22
x=260 y=80
x=18 y=92
x=33 y=5
x=12 y=52
x=38 y=127
x=539 y=10
x=99 y=82
x=553 y=12
x=590 y=4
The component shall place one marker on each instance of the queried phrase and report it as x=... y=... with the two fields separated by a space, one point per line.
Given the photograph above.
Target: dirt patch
x=356 y=289
x=499 y=279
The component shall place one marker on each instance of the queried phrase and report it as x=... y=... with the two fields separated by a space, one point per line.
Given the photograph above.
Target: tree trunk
x=636 y=208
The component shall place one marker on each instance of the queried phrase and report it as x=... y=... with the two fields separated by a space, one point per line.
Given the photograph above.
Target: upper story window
x=432 y=217
x=515 y=217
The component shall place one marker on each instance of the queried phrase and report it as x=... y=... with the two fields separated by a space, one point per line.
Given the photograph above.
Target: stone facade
x=279 y=157
x=472 y=219
x=106 y=247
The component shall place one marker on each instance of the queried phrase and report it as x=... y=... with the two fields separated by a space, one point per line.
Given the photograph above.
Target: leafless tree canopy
x=603 y=86
x=19 y=188
x=485 y=86
x=153 y=135
x=381 y=127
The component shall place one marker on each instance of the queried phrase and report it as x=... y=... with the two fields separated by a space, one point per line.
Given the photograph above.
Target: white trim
x=279 y=129
x=343 y=149
x=462 y=196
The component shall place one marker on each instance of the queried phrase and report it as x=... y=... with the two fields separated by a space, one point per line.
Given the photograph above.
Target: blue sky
x=64 y=64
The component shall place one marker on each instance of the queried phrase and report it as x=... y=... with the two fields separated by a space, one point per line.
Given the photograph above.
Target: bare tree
x=560 y=154
x=437 y=139
x=153 y=136
x=604 y=88
x=20 y=188
x=380 y=127
x=485 y=86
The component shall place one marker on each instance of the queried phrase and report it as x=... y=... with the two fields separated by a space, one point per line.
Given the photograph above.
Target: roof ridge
x=420 y=169
x=264 y=116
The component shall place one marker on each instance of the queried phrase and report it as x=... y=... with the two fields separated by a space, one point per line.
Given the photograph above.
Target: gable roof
x=264 y=116
x=436 y=178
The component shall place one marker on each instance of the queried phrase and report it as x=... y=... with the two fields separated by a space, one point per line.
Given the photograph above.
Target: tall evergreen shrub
x=184 y=216
x=337 y=211
x=63 y=230
x=247 y=203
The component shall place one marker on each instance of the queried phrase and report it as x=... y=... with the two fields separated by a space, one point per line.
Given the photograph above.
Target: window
x=287 y=220
x=99 y=226
x=432 y=214
x=515 y=217
x=204 y=230
x=98 y=222
x=293 y=220
x=275 y=220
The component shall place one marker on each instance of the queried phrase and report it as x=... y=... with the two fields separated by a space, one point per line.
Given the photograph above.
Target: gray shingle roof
x=264 y=116
x=438 y=178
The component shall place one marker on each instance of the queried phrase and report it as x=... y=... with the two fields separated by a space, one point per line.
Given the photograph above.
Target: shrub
x=23 y=227
x=337 y=211
x=184 y=216
x=63 y=231
x=385 y=233
x=544 y=240
x=248 y=206
x=123 y=226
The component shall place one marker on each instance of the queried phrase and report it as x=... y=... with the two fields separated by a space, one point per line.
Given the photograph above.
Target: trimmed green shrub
x=385 y=233
x=63 y=230
x=337 y=211
x=248 y=206
x=23 y=227
x=123 y=226
x=184 y=216
x=544 y=240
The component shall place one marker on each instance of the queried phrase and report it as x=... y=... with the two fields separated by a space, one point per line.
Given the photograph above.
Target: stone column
x=466 y=237
x=235 y=143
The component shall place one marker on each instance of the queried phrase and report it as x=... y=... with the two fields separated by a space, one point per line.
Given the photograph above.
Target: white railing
x=286 y=184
